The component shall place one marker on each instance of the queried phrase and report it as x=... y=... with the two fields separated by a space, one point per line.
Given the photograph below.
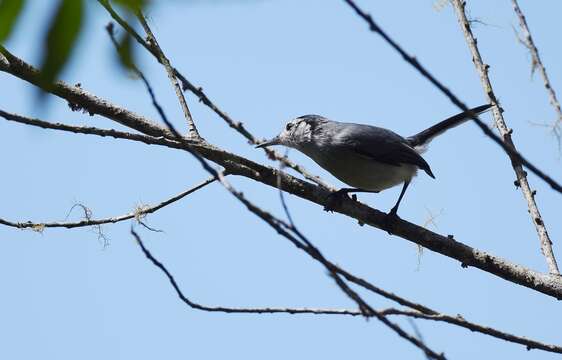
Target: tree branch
x=78 y=98
x=537 y=64
x=137 y=214
x=528 y=193
x=192 y=129
x=231 y=310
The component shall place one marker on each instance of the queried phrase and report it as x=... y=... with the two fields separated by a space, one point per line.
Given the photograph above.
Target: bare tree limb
x=505 y=132
x=397 y=329
x=460 y=321
x=538 y=64
x=77 y=97
x=366 y=310
x=193 y=133
x=138 y=213
x=417 y=332
x=445 y=245
x=267 y=310
x=510 y=151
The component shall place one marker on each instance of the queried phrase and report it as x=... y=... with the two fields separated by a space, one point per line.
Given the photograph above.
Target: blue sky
x=65 y=295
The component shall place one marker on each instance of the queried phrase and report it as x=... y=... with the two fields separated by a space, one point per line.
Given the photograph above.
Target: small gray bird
x=368 y=158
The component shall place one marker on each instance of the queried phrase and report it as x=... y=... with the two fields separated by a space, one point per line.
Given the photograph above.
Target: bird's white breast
x=363 y=173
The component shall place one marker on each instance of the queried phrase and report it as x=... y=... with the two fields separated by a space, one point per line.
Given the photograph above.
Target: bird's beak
x=274 y=141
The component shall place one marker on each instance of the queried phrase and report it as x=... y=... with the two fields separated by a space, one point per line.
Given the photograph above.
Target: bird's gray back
x=369 y=141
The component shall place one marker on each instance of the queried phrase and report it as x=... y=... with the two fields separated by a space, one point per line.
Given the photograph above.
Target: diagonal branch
x=237 y=165
x=511 y=152
x=460 y=321
x=192 y=130
x=137 y=214
x=505 y=132
x=537 y=64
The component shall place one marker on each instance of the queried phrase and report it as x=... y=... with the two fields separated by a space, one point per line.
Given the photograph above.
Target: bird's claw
x=335 y=200
x=390 y=220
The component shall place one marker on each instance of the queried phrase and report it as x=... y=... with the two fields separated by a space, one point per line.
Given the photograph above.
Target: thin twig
x=140 y=74
x=266 y=310
x=538 y=64
x=397 y=329
x=137 y=214
x=192 y=129
x=460 y=321
x=505 y=132
x=512 y=153
x=417 y=332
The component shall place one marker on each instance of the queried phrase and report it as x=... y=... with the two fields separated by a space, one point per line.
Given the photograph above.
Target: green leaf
x=61 y=38
x=9 y=11
x=125 y=52
x=132 y=5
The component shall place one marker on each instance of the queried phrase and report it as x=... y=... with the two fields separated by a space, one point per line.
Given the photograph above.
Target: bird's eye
x=289 y=126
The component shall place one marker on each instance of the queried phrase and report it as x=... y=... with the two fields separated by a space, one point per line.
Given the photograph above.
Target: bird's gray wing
x=382 y=145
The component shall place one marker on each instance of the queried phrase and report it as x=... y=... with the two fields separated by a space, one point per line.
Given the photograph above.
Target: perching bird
x=368 y=158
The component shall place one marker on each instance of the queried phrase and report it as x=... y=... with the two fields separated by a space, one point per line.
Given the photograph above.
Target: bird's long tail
x=420 y=140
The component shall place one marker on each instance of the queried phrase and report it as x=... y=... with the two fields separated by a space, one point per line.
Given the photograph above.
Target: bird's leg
x=335 y=199
x=392 y=215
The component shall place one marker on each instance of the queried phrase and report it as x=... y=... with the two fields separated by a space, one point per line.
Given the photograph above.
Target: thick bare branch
x=505 y=132
x=512 y=153
x=445 y=245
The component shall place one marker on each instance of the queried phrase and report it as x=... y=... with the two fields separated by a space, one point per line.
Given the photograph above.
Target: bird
x=368 y=158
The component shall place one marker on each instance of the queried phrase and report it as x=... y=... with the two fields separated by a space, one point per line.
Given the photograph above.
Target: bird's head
x=297 y=132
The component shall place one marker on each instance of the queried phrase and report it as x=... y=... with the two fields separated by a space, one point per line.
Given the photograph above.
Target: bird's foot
x=335 y=200
x=390 y=220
